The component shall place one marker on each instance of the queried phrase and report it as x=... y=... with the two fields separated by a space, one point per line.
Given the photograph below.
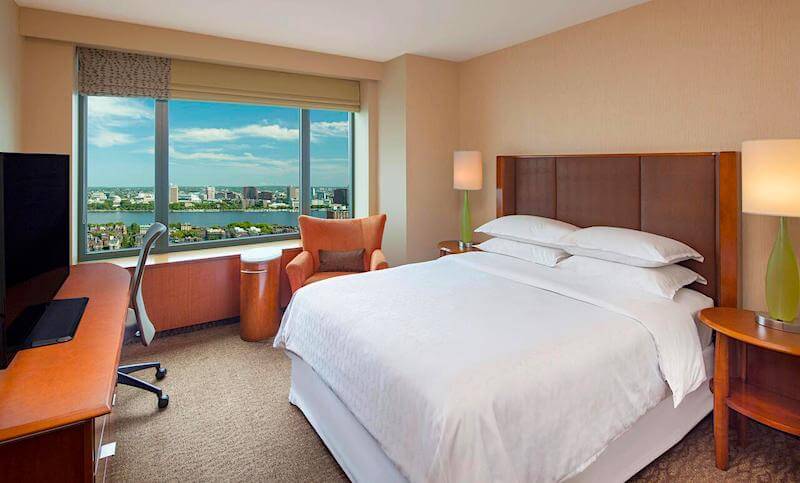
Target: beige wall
x=48 y=85
x=91 y=31
x=392 y=159
x=10 y=77
x=669 y=75
x=431 y=138
x=418 y=134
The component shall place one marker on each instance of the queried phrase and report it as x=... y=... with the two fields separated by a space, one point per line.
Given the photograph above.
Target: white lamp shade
x=467 y=170
x=771 y=177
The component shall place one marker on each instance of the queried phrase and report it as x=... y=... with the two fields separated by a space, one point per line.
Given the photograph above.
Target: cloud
x=217 y=134
x=276 y=132
x=228 y=160
x=105 y=138
x=335 y=129
x=116 y=108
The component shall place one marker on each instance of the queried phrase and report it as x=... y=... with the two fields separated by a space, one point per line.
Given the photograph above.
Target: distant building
x=340 y=196
x=250 y=193
x=265 y=195
x=295 y=193
x=211 y=192
x=337 y=214
x=173 y=194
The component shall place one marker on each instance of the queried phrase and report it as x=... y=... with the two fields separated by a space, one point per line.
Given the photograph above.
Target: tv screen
x=34 y=246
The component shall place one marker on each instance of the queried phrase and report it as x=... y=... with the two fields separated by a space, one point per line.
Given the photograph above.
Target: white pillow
x=631 y=247
x=525 y=251
x=661 y=281
x=528 y=229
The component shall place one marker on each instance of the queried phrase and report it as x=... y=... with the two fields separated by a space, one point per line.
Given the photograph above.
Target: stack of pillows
x=614 y=255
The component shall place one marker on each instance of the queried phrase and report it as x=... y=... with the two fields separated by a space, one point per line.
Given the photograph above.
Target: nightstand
x=451 y=247
x=755 y=374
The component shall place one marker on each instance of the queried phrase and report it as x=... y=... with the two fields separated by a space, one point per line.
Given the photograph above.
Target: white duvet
x=480 y=367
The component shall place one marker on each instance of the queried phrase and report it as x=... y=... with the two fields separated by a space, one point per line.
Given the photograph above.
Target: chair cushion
x=325 y=275
x=341 y=260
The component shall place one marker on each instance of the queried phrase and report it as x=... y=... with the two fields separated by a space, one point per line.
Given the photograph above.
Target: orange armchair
x=320 y=234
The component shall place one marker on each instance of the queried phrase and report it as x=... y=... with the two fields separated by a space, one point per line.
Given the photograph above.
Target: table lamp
x=771 y=186
x=467 y=176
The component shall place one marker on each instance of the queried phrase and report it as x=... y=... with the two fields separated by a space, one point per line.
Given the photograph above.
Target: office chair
x=138 y=324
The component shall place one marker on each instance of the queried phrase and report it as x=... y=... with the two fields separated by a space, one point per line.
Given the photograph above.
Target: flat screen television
x=34 y=252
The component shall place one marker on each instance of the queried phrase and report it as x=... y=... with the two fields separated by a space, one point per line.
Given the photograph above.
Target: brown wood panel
x=621 y=189
x=191 y=292
x=721 y=388
x=64 y=454
x=213 y=289
x=535 y=186
x=506 y=186
x=729 y=212
x=165 y=289
x=598 y=191
x=679 y=201
x=774 y=371
x=52 y=386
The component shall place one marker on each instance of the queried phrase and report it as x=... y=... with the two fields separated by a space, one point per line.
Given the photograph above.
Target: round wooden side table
x=452 y=247
x=755 y=374
x=259 y=317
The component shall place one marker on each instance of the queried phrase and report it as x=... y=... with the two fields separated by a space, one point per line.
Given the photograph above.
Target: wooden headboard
x=690 y=197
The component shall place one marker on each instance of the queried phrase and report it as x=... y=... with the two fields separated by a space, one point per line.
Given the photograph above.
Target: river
x=200 y=218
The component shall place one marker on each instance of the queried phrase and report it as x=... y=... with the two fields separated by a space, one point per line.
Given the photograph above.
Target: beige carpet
x=229 y=419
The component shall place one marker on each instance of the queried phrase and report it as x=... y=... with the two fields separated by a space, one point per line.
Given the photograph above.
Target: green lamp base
x=466 y=223
x=783 y=282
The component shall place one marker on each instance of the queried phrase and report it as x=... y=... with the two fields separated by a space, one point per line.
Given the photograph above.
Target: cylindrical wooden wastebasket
x=258 y=296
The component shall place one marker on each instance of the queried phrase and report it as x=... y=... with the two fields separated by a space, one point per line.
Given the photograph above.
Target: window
x=120 y=169
x=215 y=173
x=234 y=171
x=331 y=176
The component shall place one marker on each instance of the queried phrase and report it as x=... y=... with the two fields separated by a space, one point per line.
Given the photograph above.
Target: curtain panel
x=225 y=83
x=113 y=73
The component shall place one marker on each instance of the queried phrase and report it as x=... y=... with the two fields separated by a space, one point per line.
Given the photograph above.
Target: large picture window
x=215 y=173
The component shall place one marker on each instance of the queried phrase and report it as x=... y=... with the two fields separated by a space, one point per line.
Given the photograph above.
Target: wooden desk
x=755 y=374
x=54 y=399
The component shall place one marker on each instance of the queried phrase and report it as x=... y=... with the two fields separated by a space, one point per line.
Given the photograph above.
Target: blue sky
x=213 y=144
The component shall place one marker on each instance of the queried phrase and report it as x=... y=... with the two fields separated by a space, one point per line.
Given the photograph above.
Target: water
x=196 y=218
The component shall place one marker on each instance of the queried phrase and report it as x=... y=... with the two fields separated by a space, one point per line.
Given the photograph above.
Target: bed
x=479 y=367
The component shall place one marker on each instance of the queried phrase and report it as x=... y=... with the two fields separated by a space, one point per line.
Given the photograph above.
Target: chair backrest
x=146 y=328
x=321 y=234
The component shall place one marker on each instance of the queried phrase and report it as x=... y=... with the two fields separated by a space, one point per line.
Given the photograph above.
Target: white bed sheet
x=530 y=384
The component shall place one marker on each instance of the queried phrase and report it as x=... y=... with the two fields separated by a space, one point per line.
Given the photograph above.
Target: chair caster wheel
x=160 y=373
x=163 y=400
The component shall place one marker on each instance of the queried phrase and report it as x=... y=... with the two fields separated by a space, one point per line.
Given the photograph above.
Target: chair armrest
x=299 y=269
x=378 y=261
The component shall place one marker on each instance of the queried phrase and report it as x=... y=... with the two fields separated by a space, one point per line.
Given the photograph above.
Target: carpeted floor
x=229 y=419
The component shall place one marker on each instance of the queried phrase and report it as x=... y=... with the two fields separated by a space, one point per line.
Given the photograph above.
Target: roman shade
x=215 y=82
x=113 y=73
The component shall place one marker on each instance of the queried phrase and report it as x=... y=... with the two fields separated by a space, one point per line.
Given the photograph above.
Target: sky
x=214 y=144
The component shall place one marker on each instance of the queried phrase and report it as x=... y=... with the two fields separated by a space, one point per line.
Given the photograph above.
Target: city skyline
x=213 y=144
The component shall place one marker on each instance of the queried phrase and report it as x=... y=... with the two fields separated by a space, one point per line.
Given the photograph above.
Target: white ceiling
x=369 y=29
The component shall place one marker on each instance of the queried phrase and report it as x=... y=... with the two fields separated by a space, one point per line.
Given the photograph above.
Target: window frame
x=161 y=185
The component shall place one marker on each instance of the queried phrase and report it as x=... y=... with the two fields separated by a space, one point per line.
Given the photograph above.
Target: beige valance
x=113 y=73
x=215 y=82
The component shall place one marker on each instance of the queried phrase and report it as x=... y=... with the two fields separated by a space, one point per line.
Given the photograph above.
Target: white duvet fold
x=479 y=367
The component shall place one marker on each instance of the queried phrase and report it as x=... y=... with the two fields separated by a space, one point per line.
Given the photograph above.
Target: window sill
x=205 y=253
